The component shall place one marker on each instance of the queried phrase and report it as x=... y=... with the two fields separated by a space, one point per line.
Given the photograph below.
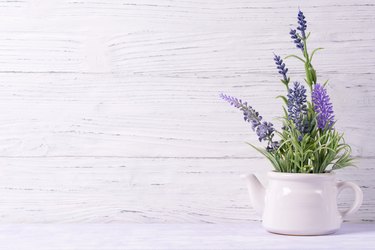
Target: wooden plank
x=103 y=115
x=87 y=189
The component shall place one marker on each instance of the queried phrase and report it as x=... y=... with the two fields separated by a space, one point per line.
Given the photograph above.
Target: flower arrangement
x=308 y=141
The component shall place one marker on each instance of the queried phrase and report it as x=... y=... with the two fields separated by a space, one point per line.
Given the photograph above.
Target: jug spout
x=256 y=192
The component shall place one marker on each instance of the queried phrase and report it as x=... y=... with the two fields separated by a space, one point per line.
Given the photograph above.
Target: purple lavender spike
x=323 y=107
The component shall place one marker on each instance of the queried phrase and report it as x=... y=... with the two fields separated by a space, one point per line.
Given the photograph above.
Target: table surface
x=175 y=236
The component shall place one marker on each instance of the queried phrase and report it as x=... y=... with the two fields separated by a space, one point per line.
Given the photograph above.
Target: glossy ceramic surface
x=301 y=204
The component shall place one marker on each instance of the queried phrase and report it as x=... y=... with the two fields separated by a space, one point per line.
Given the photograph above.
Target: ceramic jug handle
x=358 y=196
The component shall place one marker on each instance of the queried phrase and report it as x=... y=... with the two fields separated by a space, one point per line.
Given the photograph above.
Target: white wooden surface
x=110 y=109
x=175 y=236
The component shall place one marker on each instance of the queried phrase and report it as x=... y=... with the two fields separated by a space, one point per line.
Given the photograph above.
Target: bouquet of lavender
x=308 y=142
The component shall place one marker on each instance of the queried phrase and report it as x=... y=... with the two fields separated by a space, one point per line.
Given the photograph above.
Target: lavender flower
x=296 y=39
x=302 y=24
x=323 y=107
x=297 y=108
x=264 y=130
x=281 y=67
x=274 y=145
x=250 y=115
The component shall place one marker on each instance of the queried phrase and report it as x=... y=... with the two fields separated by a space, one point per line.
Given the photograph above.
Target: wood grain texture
x=104 y=189
x=101 y=84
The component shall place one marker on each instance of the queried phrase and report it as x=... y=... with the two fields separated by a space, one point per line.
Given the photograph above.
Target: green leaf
x=313 y=52
x=299 y=58
x=268 y=155
x=283 y=98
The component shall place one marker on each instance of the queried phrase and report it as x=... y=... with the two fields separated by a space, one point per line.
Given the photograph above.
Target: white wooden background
x=110 y=109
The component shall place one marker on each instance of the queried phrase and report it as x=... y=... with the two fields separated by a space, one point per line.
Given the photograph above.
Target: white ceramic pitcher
x=301 y=204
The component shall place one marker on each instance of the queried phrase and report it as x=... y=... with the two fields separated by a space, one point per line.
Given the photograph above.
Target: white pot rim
x=299 y=176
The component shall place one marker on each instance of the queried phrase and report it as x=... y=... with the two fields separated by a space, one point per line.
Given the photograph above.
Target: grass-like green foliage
x=318 y=152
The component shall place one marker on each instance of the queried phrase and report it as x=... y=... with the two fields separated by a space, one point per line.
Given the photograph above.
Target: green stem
x=309 y=69
x=305 y=53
